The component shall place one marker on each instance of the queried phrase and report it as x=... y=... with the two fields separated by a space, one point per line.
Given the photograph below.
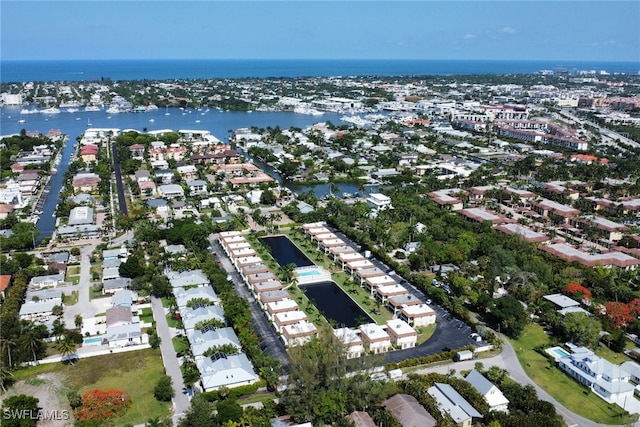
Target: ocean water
x=91 y=70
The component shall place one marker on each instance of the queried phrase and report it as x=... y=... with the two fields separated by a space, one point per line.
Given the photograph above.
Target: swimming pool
x=308 y=273
x=92 y=340
x=557 y=352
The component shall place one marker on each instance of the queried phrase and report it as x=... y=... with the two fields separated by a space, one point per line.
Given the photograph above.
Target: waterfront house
x=350 y=341
x=298 y=333
x=374 y=338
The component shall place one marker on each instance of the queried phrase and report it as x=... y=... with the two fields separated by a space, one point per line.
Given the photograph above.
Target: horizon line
x=319 y=59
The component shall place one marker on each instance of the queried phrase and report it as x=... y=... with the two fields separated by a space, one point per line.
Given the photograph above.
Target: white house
x=402 y=335
x=492 y=394
x=375 y=338
x=222 y=370
x=418 y=315
x=350 y=340
x=607 y=380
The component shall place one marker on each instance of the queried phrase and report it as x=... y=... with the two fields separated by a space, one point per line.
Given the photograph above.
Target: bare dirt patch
x=51 y=393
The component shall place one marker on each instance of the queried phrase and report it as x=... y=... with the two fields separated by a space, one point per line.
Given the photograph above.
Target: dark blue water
x=285 y=252
x=336 y=305
x=92 y=70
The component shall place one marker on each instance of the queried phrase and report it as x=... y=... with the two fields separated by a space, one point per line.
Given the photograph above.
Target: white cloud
x=470 y=36
x=509 y=30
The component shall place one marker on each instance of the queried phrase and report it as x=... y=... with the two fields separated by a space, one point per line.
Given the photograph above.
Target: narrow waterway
x=47 y=222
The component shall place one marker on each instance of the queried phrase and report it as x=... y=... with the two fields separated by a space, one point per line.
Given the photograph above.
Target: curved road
x=509 y=361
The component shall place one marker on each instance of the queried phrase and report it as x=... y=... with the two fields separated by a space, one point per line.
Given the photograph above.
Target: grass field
x=146 y=316
x=135 y=372
x=565 y=390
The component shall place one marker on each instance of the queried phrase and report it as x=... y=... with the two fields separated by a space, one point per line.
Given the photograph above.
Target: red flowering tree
x=634 y=307
x=99 y=405
x=576 y=290
x=619 y=313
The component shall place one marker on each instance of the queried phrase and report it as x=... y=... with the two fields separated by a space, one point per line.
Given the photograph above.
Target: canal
x=334 y=304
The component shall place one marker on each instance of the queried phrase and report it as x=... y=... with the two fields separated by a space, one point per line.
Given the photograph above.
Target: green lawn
x=613 y=357
x=425 y=332
x=568 y=392
x=135 y=372
x=173 y=322
x=73 y=271
x=71 y=299
x=146 y=316
x=180 y=344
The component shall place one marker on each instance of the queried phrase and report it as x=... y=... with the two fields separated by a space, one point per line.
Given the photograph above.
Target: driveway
x=271 y=343
x=84 y=306
x=171 y=365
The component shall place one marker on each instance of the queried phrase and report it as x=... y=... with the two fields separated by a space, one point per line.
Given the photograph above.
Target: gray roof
x=111 y=253
x=191 y=317
x=233 y=370
x=81 y=229
x=81 y=215
x=479 y=382
x=184 y=296
x=111 y=262
x=118 y=314
x=123 y=332
x=58 y=278
x=38 y=307
x=452 y=403
x=408 y=411
x=216 y=337
x=62 y=257
x=187 y=278
x=123 y=297
x=561 y=301
x=120 y=282
x=44 y=294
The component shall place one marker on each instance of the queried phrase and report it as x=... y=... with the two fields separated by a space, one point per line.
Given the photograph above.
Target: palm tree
x=78 y=321
x=8 y=344
x=66 y=348
x=29 y=339
x=5 y=377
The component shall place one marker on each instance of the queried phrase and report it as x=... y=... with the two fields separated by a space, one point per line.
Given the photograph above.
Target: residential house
x=374 y=338
x=191 y=316
x=350 y=341
x=51 y=280
x=408 y=412
x=492 y=394
x=5 y=283
x=221 y=370
x=417 y=315
x=402 y=335
x=203 y=339
x=608 y=381
x=450 y=402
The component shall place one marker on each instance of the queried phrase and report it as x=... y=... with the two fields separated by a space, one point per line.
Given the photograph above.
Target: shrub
x=100 y=405
x=163 y=390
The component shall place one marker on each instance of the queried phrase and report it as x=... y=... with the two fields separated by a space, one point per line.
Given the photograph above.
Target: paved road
x=271 y=343
x=509 y=361
x=83 y=307
x=171 y=365
x=122 y=202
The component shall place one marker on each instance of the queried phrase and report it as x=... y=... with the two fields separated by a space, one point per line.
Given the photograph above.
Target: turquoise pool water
x=92 y=340
x=559 y=352
x=309 y=273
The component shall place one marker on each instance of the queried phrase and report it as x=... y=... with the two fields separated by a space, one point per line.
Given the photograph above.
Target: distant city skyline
x=483 y=30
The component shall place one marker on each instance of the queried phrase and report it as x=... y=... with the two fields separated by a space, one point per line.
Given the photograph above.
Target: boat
x=91 y=108
x=197 y=121
x=21 y=121
x=52 y=110
x=151 y=120
x=89 y=122
x=72 y=110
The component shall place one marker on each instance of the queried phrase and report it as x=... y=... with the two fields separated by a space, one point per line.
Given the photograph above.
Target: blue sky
x=511 y=30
